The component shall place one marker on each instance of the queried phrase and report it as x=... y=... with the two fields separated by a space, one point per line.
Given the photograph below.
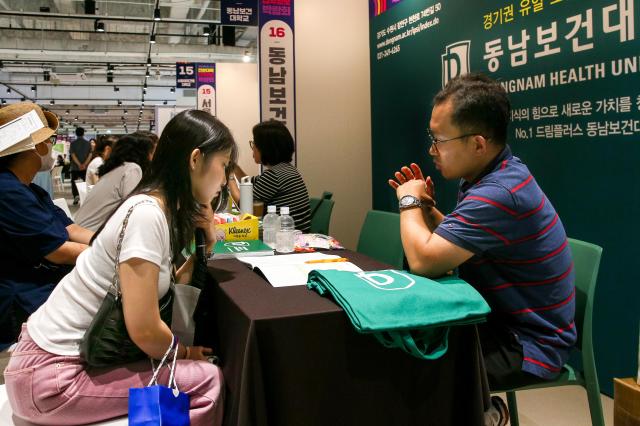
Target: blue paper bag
x=158 y=405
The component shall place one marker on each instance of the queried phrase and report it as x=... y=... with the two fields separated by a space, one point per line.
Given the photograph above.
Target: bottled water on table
x=285 y=238
x=270 y=226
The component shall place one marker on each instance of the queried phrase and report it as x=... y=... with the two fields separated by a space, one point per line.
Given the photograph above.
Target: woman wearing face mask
x=43 y=177
x=39 y=243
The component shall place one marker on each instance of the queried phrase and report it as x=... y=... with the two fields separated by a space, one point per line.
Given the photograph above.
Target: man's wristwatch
x=409 y=201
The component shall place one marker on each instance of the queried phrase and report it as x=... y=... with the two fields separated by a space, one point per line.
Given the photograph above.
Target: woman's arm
x=205 y=222
x=139 y=286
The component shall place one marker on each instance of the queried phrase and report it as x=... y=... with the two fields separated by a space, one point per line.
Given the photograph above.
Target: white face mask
x=47 y=161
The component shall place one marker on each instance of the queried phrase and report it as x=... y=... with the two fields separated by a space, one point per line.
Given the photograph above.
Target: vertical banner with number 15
x=277 y=65
x=206 y=78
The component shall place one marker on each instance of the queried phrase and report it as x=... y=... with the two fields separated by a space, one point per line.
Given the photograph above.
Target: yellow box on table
x=244 y=230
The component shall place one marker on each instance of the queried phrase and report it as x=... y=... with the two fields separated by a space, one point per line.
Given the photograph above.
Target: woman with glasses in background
x=281 y=183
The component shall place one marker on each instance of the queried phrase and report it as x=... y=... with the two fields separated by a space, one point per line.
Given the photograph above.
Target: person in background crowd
x=281 y=183
x=100 y=154
x=504 y=236
x=172 y=199
x=39 y=242
x=119 y=174
x=80 y=157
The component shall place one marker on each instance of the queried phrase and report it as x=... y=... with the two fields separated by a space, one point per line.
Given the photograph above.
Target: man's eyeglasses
x=251 y=144
x=435 y=141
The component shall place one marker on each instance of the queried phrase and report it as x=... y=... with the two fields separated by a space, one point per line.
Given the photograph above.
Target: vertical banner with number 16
x=277 y=65
x=206 y=81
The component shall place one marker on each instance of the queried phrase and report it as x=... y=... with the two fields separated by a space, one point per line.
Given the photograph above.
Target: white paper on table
x=291 y=269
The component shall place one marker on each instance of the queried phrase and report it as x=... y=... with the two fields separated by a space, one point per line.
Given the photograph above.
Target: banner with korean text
x=206 y=81
x=277 y=64
x=239 y=12
x=185 y=75
x=572 y=71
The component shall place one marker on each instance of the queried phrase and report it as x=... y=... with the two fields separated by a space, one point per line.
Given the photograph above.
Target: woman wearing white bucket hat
x=39 y=242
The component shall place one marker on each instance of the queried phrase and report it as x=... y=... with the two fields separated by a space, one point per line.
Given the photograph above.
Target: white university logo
x=386 y=281
x=455 y=60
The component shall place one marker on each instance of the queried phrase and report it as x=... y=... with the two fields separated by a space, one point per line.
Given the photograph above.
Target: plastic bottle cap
x=271 y=209
x=284 y=210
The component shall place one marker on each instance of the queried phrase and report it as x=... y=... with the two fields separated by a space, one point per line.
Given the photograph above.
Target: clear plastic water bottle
x=285 y=238
x=270 y=226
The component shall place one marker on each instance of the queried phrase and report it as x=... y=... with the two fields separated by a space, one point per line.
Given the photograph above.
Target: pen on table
x=339 y=259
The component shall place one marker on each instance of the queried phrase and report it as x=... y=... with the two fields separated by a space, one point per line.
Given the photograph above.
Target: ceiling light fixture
x=206 y=31
x=246 y=57
x=172 y=90
x=98 y=26
x=52 y=102
x=156 y=14
x=116 y=89
x=119 y=102
x=149 y=61
x=8 y=90
x=152 y=39
x=33 y=88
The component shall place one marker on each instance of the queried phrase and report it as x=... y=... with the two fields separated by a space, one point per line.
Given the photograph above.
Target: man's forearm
x=415 y=233
x=433 y=217
x=67 y=253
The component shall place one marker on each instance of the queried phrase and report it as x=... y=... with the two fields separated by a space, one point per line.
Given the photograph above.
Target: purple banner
x=277 y=64
x=206 y=84
x=378 y=7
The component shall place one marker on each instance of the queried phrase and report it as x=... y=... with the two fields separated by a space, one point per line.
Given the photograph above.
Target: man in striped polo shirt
x=504 y=236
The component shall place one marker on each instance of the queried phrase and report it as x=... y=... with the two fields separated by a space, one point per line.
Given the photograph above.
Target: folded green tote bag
x=403 y=310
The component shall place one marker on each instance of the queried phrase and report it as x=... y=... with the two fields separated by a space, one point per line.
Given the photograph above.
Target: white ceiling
x=58 y=52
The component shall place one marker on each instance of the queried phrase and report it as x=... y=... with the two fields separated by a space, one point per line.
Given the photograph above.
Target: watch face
x=408 y=200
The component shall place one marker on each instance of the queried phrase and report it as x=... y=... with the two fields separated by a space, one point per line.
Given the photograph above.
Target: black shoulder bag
x=106 y=342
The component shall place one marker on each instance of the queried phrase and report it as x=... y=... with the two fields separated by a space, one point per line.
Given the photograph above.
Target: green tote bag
x=403 y=310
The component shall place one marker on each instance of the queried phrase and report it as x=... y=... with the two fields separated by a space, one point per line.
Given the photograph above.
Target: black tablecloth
x=291 y=357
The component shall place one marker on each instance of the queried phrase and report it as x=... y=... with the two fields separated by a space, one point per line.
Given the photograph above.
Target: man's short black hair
x=480 y=104
x=79 y=132
x=275 y=143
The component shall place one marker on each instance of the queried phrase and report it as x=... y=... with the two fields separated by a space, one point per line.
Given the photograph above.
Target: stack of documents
x=293 y=269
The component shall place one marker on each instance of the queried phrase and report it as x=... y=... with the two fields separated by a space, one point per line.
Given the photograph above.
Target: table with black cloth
x=291 y=357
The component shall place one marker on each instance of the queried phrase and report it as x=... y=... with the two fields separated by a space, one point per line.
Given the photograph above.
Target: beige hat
x=13 y=111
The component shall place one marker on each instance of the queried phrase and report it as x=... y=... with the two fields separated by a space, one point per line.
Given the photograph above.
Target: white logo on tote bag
x=385 y=281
